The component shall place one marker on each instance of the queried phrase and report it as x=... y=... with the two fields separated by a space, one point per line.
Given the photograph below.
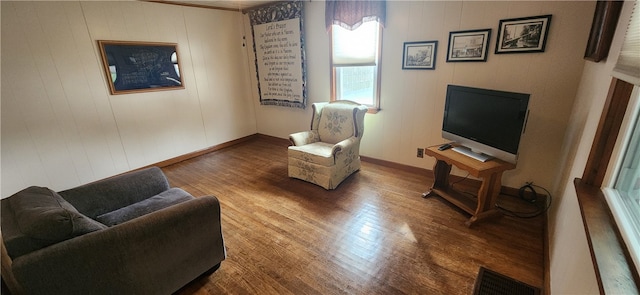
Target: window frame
x=612 y=262
x=625 y=219
x=372 y=108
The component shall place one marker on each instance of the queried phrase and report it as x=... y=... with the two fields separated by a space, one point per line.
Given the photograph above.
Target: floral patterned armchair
x=330 y=151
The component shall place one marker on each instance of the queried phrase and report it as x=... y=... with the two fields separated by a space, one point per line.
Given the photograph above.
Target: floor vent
x=493 y=283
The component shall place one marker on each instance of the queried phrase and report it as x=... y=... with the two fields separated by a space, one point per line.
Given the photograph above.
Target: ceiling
x=220 y=4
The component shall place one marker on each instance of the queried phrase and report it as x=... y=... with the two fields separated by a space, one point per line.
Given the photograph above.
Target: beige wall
x=571 y=266
x=60 y=126
x=413 y=101
x=558 y=134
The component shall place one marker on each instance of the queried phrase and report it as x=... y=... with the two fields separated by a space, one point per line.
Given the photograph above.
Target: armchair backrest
x=338 y=120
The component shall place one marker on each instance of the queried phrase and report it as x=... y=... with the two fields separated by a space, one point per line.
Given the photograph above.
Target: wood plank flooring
x=374 y=234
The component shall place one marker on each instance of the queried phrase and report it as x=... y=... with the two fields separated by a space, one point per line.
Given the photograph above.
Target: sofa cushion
x=106 y=195
x=163 y=200
x=41 y=217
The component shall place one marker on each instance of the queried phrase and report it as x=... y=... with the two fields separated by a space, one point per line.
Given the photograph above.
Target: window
x=355 y=64
x=623 y=191
x=616 y=260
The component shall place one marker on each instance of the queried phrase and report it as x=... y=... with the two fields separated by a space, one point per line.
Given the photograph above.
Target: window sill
x=614 y=268
x=373 y=110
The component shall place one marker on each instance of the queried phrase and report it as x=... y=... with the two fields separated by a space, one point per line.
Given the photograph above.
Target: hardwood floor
x=374 y=234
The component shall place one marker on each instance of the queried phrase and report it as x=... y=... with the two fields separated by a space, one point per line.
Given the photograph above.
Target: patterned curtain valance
x=351 y=14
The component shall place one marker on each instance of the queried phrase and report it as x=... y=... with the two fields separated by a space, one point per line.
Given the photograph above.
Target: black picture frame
x=419 y=55
x=523 y=35
x=468 y=46
x=132 y=66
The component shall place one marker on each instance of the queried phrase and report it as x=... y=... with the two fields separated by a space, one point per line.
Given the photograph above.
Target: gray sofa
x=129 y=234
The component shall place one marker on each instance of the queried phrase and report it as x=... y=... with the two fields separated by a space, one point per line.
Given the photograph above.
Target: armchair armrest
x=154 y=254
x=304 y=137
x=345 y=145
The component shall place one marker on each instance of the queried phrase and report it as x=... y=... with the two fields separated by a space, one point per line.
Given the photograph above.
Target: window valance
x=351 y=14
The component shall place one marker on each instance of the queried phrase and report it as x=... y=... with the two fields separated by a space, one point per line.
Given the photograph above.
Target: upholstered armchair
x=330 y=151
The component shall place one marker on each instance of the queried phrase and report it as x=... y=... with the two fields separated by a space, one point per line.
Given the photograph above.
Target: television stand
x=483 y=207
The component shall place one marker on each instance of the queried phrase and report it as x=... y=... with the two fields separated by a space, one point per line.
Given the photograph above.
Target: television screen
x=486 y=120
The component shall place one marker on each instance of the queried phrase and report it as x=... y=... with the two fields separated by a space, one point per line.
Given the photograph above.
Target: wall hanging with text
x=278 y=44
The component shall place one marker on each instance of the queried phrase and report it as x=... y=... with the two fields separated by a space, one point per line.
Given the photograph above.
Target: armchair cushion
x=41 y=218
x=320 y=153
x=163 y=200
x=336 y=123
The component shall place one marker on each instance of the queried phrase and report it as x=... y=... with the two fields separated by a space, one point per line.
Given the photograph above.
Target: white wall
x=413 y=101
x=571 y=266
x=60 y=125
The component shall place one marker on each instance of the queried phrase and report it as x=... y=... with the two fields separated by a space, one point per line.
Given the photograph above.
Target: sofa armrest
x=154 y=254
x=304 y=137
x=113 y=193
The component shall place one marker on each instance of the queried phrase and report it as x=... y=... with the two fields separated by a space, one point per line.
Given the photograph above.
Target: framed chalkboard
x=140 y=66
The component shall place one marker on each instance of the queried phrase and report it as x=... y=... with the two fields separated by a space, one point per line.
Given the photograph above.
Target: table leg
x=487 y=197
x=441 y=172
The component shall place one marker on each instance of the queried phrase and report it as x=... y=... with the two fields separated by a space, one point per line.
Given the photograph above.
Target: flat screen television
x=486 y=123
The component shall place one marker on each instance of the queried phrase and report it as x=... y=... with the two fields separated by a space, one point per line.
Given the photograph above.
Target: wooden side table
x=490 y=172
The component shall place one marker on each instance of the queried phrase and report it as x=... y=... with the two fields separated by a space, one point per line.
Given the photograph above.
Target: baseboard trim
x=285 y=142
x=395 y=165
x=275 y=140
x=201 y=152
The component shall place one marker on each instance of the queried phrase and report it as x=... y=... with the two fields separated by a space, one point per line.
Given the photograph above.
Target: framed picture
x=419 y=55
x=140 y=66
x=468 y=45
x=519 y=35
x=603 y=27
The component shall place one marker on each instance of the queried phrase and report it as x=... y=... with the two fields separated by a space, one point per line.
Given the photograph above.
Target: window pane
x=628 y=181
x=355 y=63
x=624 y=195
x=356 y=84
x=357 y=47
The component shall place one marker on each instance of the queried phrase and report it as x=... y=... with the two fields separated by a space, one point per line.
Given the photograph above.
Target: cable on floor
x=538 y=207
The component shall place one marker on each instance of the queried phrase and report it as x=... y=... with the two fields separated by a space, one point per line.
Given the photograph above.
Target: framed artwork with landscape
x=419 y=55
x=520 y=35
x=470 y=45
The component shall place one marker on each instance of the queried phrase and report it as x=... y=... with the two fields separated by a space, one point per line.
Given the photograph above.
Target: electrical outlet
x=420 y=153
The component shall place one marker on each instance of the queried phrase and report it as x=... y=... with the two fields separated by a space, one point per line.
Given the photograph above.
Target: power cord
x=532 y=200
x=459 y=180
